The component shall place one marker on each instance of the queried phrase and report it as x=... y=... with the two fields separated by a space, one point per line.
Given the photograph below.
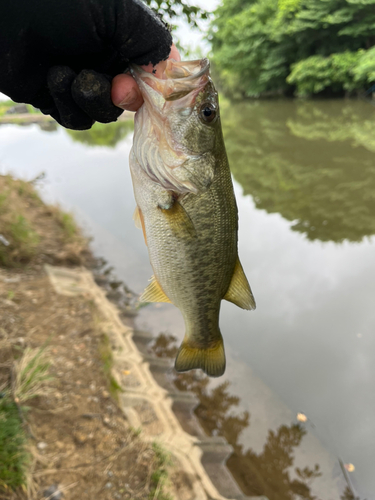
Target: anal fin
x=153 y=293
x=239 y=291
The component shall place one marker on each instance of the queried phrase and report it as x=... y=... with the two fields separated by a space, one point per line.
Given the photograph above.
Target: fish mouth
x=181 y=81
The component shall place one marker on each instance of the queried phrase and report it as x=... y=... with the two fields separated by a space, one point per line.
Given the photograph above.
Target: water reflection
x=288 y=158
x=268 y=473
x=103 y=134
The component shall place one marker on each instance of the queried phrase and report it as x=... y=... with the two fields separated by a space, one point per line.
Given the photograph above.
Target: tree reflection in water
x=267 y=473
x=103 y=134
x=312 y=162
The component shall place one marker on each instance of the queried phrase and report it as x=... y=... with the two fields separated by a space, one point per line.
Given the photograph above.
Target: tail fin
x=211 y=360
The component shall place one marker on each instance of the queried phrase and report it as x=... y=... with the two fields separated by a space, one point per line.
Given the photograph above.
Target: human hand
x=61 y=56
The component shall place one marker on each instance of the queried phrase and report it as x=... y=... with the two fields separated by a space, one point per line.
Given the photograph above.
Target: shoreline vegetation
x=294 y=47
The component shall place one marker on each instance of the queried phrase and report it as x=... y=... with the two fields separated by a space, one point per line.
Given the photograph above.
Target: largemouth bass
x=186 y=207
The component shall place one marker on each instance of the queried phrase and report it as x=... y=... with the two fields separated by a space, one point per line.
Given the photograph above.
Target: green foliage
x=14 y=458
x=170 y=9
x=311 y=162
x=103 y=134
x=317 y=73
x=365 y=67
x=273 y=46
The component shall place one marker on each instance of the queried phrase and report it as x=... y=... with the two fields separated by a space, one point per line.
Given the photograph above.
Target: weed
x=31 y=374
x=159 y=477
x=136 y=432
x=68 y=224
x=14 y=458
x=106 y=356
x=10 y=295
x=23 y=241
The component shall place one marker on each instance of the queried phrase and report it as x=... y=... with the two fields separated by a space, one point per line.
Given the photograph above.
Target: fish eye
x=207 y=112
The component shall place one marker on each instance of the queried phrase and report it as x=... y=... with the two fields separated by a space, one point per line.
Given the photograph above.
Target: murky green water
x=305 y=184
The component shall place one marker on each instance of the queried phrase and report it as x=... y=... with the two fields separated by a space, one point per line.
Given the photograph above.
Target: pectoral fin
x=239 y=291
x=139 y=221
x=179 y=221
x=153 y=293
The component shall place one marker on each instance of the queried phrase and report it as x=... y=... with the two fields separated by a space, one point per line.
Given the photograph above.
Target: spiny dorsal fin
x=139 y=221
x=239 y=291
x=179 y=221
x=153 y=293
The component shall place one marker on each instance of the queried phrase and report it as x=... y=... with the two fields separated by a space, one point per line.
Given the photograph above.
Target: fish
x=186 y=207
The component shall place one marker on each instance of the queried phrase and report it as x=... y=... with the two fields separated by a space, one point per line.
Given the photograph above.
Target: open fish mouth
x=180 y=79
x=162 y=127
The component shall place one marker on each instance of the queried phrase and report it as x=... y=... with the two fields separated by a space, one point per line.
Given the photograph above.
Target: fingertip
x=125 y=93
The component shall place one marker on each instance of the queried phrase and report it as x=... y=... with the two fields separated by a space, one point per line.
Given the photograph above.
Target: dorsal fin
x=239 y=291
x=139 y=221
x=153 y=292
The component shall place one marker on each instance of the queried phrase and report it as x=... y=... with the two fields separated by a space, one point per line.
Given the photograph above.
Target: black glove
x=61 y=55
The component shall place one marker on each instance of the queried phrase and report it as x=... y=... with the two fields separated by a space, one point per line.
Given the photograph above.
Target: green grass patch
x=23 y=241
x=5 y=105
x=68 y=224
x=159 y=477
x=106 y=357
x=14 y=457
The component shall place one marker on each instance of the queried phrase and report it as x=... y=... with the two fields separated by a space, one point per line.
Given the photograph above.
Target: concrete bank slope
x=151 y=407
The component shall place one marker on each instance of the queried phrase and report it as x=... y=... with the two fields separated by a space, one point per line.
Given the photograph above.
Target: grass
x=14 y=457
x=30 y=373
x=68 y=224
x=106 y=357
x=21 y=212
x=159 y=477
x=23 y=241
x=5 y=105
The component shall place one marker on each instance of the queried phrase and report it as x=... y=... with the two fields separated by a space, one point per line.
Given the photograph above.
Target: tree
x=259 y=46
x=170 y=9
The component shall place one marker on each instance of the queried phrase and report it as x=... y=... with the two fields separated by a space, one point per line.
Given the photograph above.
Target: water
x=304 y=175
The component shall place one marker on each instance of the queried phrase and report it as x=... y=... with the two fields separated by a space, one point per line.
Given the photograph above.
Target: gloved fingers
x=82 y=99
x=92 y=92
x=68 y=113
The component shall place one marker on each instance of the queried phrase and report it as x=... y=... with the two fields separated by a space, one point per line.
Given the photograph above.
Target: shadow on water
x=312 y=162
x=268 y=473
